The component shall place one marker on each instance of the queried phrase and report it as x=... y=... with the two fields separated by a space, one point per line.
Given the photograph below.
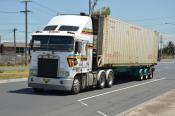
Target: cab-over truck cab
x=62 y=54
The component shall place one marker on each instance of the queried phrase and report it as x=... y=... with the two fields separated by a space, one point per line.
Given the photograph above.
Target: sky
x=153 y=14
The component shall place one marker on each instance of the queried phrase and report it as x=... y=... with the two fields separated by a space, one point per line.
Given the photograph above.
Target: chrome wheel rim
x=110 y=79
x=141 y=77
x=102 y=82
x=146 y=77
x=76 y=85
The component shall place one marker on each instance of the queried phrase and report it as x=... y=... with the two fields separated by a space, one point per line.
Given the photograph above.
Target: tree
x=171 y=48
x=103 y=11
x=93 y=5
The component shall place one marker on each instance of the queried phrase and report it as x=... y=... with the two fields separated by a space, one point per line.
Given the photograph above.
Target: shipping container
x=122 y=44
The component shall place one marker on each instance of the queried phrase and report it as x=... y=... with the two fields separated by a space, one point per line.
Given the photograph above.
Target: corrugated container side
x=124 y=44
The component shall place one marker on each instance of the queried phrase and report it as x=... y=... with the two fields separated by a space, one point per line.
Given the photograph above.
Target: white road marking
x=109 y=92
x=103 y=114
x=12 y=80
x=84 y=104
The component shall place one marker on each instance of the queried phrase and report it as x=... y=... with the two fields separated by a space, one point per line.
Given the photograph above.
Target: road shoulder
x=163 y=105
x=12 y=80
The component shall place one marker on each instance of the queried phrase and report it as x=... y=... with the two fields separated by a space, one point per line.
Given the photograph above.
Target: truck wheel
x=140 y=77
x=101 y=81
x=150 y=76
x=145 y=77
x=145 y=74
x=109 y=80
x=76 y=86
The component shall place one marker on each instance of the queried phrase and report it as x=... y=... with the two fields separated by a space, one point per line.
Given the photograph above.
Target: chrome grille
x=47 y=67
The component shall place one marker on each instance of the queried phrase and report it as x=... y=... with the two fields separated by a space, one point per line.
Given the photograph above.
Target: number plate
x=45 y=80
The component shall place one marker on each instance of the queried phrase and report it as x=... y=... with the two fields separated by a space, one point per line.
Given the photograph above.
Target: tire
x=110 y=79
x=145 y=73
x=151 y=75
x=140 y=77
x=76 y=86
x=145 y=77
x=101 y=81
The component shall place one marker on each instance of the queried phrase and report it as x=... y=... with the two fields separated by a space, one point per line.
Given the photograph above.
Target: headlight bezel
x=64 y=74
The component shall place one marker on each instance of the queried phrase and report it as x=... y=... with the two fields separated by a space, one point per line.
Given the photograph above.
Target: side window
x=78 y=46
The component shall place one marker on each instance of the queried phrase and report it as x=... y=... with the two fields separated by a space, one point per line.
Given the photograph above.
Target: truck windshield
x=52 y=43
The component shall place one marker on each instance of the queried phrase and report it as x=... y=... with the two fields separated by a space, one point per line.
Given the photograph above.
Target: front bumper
x=64 y=84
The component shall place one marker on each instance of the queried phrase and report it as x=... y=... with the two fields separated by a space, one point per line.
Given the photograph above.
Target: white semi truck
x=74 y=52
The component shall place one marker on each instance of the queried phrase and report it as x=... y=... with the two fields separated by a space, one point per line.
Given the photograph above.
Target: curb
x=12 y=80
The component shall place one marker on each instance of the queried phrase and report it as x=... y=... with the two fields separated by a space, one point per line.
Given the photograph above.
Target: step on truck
x=75 y=52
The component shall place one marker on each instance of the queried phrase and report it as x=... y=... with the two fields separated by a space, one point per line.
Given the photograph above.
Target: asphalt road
x=16 y=99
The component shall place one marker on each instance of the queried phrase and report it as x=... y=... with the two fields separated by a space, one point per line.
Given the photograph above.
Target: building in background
x=8 y=48
x=10 y=56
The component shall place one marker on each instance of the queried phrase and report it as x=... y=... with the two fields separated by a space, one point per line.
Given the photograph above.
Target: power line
x=24 y=31
x=170 y=23
x=167 y=28
x=170 y=32
x=43 y=6
x=152 y=19
x=41 y=11
x=8 y=12
x=159 y=24
x=152 y=25
x=10 y=31
x=21 y=24
x=5 y=30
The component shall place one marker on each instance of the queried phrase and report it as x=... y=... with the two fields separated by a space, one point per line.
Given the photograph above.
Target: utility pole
x=0 y=45
x=90 y=5
x=161 y=46
x=14 y=34
x=0 y=39
x=93 y=5
x=26 y=11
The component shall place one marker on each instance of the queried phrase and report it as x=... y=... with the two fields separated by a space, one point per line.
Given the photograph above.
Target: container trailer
x=75 y=52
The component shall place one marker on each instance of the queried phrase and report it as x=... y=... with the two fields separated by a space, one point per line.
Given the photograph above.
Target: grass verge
x=11 y=74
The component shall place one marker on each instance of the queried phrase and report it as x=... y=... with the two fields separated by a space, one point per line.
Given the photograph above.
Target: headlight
x=33 y=72
x=64 y=74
